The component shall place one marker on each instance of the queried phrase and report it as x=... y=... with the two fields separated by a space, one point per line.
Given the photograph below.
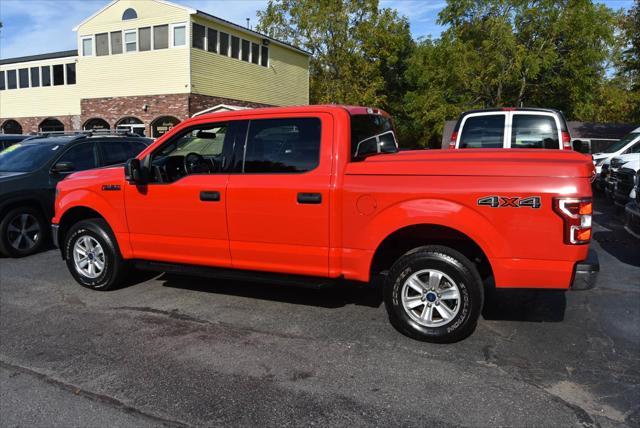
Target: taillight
x=452 y=141
x=566 y=140
x=576 y=214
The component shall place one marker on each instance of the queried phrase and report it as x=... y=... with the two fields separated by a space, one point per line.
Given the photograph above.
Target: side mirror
x=133 y=171
x=62 y=167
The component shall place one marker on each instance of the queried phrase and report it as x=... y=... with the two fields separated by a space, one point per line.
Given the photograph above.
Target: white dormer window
x=129 y=14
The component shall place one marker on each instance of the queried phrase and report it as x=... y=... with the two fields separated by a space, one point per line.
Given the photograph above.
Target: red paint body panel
x=169 y=222
x=269 y=230
x=259 y=225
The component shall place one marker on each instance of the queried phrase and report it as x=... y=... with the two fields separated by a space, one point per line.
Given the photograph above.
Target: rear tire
x=434 y=294
x=92 y=255
x=23 y=232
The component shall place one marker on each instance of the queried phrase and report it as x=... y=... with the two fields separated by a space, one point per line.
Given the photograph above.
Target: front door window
x=198 y=151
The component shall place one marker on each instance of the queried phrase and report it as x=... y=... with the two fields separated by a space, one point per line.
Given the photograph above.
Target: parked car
x=632 y=210
x=29 y=172
x=316 y=195
x=511 y=128
x=624 y=189
x=610 y=170
x=7 y=140
x=614 y=150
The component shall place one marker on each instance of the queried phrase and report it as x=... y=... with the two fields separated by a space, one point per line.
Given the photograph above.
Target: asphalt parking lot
x=181 y=351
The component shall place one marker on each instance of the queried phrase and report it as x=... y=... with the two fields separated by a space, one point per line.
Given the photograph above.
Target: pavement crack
x=101 y=398
x=241 y=330
x=175 y=314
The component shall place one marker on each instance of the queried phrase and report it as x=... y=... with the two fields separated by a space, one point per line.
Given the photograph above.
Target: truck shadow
x=505 y=305
x=336 y=296
x=525 y=305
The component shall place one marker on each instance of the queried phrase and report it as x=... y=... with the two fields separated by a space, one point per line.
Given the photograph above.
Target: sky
x=39 y=26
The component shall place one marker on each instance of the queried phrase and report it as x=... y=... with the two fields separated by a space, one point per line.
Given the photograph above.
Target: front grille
x=638 y=188
x=625 y=180
x=616 y=163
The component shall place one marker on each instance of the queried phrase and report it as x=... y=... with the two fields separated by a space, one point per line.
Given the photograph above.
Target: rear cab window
x=534 y=131
x=483 y=131
x=371 y=126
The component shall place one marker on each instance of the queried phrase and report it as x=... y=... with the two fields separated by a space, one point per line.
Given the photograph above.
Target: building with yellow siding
x=143 y=66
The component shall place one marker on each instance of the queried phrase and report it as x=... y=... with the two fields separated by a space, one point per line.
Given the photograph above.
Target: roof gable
x=133 y=4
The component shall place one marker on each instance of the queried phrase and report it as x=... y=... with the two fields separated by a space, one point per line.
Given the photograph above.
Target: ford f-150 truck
x=320 y=194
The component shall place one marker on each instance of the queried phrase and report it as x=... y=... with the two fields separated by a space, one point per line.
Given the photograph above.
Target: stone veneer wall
x=30 y=124
x=145 y=108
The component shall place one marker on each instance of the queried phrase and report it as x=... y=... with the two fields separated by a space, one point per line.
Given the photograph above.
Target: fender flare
x=115 y=218
x=439 y=212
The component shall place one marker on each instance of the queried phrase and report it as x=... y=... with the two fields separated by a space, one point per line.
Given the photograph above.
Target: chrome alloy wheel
x=89 y=257
x=23 y=232
x=431 y=298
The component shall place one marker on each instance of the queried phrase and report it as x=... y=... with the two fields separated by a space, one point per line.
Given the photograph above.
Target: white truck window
x=486 y=131
x=529 y=131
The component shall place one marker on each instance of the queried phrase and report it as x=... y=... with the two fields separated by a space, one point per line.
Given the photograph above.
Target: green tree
x=543 y=53
x=359 y=51
x=623 y=90
x=630 y=35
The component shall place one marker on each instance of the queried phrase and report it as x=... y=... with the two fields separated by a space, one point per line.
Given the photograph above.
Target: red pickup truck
x=317 y=194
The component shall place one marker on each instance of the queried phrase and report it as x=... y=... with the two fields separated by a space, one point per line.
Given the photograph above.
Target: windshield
x=26 y=157
x=633 y=149
x=618 y=145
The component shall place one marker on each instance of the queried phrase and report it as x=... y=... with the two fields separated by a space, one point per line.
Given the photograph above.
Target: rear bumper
x=585 y=273
x=54 y=235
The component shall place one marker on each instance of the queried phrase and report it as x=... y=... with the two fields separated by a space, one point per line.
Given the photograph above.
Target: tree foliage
x=574 y=55
x=357 y=48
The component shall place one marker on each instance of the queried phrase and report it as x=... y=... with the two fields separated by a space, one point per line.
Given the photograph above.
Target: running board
x=313 y=282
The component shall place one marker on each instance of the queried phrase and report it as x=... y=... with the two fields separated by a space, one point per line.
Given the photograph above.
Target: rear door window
x=115 y=152
x=532 y=131
x=82 y=156
x=136 y=148
x=486 y=131
x=282 y=145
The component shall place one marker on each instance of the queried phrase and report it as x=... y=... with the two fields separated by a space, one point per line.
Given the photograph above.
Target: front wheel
x=92 y=255
x=23 y=232
x=434 y=294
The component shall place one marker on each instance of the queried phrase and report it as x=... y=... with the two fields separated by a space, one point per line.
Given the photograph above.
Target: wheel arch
x=431 y=221
x=18 y=202
x=409 y=237
x=80 y=204
x=71 y=217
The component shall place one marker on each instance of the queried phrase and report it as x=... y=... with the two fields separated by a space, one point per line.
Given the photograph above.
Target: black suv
x=29 y=172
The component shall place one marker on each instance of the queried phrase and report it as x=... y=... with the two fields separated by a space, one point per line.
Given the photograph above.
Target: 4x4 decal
x=510 y=201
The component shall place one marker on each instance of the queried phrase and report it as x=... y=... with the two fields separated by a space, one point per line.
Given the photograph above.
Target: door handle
x=210 y=196
x=309 y=198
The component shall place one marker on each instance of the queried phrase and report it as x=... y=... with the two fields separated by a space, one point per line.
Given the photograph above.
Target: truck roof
x=482 y=110
x=352 y=110
x=563 y=121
